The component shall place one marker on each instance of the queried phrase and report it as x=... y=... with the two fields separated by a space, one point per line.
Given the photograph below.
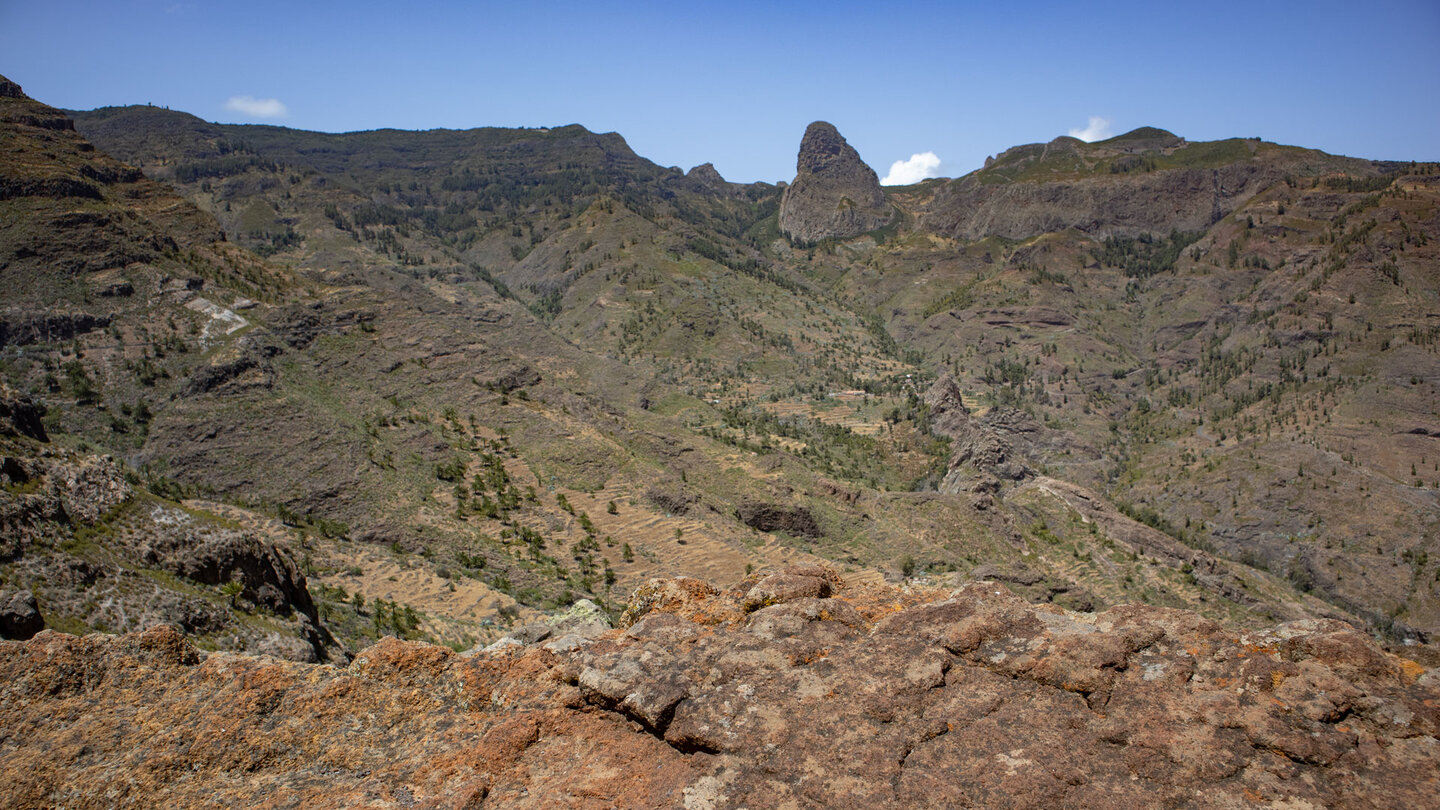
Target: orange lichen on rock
x=967 y=697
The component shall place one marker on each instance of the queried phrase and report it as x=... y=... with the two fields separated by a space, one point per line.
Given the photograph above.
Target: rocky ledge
x=790 y=689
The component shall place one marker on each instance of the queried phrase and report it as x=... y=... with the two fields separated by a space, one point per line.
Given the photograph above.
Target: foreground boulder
x=863 y=696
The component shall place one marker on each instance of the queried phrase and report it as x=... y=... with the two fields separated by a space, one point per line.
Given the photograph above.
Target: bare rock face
x=19 y=615
x=870 y=697
x=948 y=414
x=769 y=517
x=21 y=416
x=795 y=582
x=707 y=175
x=835 y=194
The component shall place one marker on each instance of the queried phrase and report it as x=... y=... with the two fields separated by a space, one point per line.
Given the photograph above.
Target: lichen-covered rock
x=577 y=625
x=786 y=586
x=835 y=194
x=873 y=697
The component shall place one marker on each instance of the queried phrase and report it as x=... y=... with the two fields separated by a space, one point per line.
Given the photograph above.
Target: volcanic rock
x=877 y=697
x=769 y=517
x=948 y=414
x=707 y=175
x=21 y=416
x=787 y=585
x=835 y=194
x=19 y=615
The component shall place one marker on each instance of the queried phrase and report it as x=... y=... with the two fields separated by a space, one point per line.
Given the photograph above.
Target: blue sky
x=735 y=83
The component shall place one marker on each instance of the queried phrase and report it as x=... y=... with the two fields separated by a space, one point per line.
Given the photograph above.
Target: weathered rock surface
x=982 y=447
x=834 y=194
x=27 y=328
x=948 y=414
x=578 y=625
x=796 y=582
x=769 y=517
x=99 y=553
x=21 y=416
x=19 y=615
x=872 y=697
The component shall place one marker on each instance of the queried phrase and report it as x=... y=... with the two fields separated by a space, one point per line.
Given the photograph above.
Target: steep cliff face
x=68 y=209
x=790 y=688
x=834 y=194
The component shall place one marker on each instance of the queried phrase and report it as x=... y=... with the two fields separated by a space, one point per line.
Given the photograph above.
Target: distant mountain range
x=1003 y=482
x=1143 y=369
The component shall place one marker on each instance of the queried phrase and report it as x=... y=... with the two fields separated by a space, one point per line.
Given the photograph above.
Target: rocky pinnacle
x=834 y=194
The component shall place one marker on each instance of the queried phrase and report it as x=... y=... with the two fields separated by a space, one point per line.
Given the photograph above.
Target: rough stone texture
x=834 y=194
x=23 y=329
x=266 y=573
x=948 y=414
x=876 y=697
x=576 y=626
x=795 y=582
x=672 y=499
x=982 y=447
x=19 y=615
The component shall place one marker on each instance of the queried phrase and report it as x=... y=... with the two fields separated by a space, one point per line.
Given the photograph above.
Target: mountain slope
x=1262 y=386
x=736 y=399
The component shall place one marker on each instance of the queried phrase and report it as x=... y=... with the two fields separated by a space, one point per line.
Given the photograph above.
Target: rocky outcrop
x=978 y=446
x=28 y=328
x=769 y=517
x=947 y=411
x=77 y=536
x=21 y=416
x=708 y=176
x=835 y=194
x=268 y=577
x=870 y=696
x=19 y=615
x=579 y=624
x=507 y=376
x=232 y=374
x=787 y=585
x=982 y=451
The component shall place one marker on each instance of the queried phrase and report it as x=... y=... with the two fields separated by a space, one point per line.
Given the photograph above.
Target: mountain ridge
x=688 y=287
x=560 y=476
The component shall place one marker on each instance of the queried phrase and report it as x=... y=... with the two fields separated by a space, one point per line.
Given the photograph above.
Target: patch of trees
x=224 y=166
x=1145 y=255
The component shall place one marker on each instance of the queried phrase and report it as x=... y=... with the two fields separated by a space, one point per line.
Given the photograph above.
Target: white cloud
x=917 y=168
x=1098 y=130
x=257 y=107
